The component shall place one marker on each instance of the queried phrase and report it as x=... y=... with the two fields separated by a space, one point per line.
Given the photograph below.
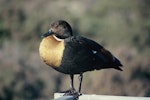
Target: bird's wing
x=98 y=52
x=101 y=52
x=96 y=48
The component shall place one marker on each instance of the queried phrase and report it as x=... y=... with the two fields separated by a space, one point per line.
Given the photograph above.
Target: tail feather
x=118 y=68
x=117 y=64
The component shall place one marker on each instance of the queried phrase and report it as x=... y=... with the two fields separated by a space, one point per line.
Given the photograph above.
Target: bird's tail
x=117 y=64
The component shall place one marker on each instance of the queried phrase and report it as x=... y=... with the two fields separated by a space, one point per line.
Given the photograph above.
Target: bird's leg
x=72 y=84
x=80 y=80
x=72 y=90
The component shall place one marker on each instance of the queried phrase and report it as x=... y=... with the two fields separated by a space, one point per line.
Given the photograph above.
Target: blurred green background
x=121 y=26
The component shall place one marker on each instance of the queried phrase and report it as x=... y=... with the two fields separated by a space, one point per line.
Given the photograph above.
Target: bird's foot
x=72 y=92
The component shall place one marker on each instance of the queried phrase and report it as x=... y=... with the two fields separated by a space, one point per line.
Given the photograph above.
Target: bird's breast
x=51 y=51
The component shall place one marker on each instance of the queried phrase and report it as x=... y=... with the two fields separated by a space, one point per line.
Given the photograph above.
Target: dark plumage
x=74 y=54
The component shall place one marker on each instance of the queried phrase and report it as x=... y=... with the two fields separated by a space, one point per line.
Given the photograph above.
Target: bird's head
x=61 y=29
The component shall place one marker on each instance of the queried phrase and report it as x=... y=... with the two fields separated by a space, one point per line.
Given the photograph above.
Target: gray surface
x=59 y=96
x=65 y=98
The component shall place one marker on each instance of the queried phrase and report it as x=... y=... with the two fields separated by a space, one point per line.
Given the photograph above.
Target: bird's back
x=82 y=54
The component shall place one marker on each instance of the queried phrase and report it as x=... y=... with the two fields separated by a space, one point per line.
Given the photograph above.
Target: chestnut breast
x=51 y=51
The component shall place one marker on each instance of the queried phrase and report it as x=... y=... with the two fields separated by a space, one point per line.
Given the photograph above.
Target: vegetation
x=122 y=26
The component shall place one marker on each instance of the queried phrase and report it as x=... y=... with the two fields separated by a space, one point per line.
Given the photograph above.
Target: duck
x=74 y=55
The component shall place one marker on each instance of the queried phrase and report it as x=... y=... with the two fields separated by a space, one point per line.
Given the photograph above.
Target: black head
x=60 y=29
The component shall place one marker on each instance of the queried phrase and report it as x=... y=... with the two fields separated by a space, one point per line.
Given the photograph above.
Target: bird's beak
x=47 y=33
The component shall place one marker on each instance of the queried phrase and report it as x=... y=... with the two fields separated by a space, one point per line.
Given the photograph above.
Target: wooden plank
x=59 y=96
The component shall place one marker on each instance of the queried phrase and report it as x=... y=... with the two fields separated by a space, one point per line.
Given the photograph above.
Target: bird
x=74 y=55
